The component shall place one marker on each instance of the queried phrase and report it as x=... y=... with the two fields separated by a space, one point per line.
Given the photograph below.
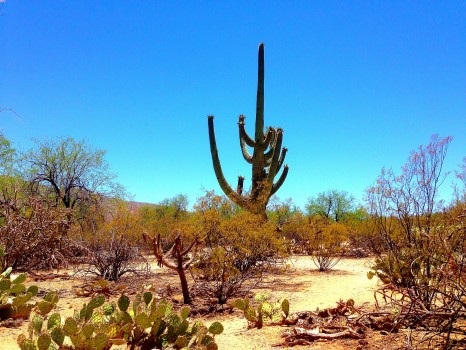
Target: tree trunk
x=184 y=286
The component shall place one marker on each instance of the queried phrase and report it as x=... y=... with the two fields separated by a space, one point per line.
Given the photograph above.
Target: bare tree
x=403 y=208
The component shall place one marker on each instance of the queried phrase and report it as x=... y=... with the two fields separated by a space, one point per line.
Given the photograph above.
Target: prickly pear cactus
x=151 y=324
x=41 y=331
x=85 y=330
x=15 y=298
x=144 y=323
x=263 y=309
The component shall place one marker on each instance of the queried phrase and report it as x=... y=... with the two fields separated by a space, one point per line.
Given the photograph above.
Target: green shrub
x=238 y=248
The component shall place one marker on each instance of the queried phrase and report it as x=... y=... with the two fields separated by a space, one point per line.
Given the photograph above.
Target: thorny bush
x=114 y=250
x=34 y=233
x=327 y=244
x=421 y=247
x=238 y=249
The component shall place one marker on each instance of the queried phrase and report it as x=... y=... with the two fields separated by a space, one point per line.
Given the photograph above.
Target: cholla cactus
x=266 y=160
x=183 y=260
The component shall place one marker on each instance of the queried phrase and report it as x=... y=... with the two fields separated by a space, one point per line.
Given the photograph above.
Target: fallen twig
x=302 y=336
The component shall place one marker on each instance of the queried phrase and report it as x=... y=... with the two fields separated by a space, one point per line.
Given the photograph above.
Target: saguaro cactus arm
x=268 y=155
x=280 y=181
x=276 y=156
x=226 y=188
x=245 y=140
x=243 y=135
x=268 y=139
x=247 y=157
x=282 y=158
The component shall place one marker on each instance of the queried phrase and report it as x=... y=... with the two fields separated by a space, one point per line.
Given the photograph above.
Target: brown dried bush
x=421 y=248
x=114 y=249
x=327 y=244
x=33 y=233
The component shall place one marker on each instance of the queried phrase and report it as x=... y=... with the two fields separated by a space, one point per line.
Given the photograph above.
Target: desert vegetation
x=61 y=207
x=221 y=251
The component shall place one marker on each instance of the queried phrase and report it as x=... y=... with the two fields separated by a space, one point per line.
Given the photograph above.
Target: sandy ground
x=307 y=289
x=304 y=286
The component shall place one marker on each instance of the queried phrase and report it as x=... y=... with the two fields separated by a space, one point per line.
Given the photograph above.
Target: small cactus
x=216 y=328
x=44 y=341
x=15 y=298
x=35 y=326
x=54 y=321
x=274 y=311
x=286 y=308
x=27 y=344
x=123 y=303
x=58 y=335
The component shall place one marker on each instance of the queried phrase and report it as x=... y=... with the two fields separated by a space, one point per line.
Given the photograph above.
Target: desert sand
x=301 y=283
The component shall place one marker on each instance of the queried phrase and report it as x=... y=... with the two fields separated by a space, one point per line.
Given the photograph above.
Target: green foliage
x=333 y=205
x=281 y=212
x=7 y=155
x=262 y=309
x=145 y=324
x=238 y=249
x=71 y=172
x=165 y=217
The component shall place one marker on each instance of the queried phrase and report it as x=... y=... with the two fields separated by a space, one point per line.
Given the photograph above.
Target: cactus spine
x=266 y=160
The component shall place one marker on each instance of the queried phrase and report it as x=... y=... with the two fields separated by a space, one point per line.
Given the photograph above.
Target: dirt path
x=306 y=289
x=304 y=286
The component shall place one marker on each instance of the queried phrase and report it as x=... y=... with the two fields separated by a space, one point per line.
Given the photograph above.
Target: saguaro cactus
x=267 y=157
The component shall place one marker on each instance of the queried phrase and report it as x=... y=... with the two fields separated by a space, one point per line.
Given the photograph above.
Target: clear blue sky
x=355 y=85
